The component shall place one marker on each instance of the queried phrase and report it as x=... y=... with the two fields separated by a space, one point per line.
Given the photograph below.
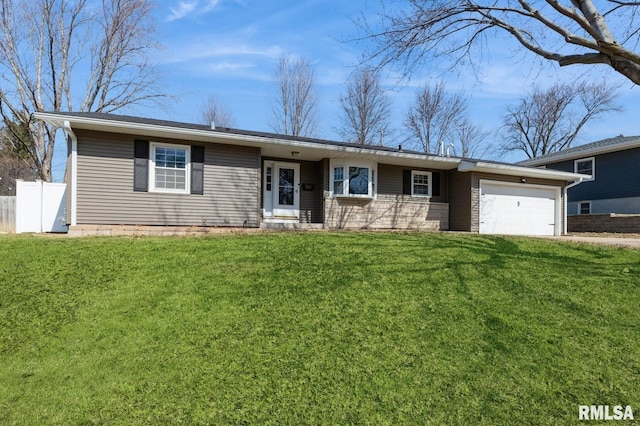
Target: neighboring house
x=613 y=169
x=133 y=171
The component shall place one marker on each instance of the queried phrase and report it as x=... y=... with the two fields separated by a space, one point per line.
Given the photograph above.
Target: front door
x=286 y=190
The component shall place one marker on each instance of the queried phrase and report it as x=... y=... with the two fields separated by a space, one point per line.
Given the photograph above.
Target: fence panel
x=40 y=207
x=7 y=214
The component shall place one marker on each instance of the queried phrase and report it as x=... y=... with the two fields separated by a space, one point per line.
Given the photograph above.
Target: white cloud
x=184 y=8
x=190 y=8
x=210 y=5
x=226 y=67
x=221 y=49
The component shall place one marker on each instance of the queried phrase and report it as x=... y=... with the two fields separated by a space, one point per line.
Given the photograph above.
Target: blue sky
x=230 y=49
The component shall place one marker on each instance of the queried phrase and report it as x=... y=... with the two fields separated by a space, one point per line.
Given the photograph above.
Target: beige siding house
x=130 y=171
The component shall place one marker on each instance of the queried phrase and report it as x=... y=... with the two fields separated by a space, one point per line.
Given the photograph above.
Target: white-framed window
x=353 y=180
x=584 y=207
x=585 y=166
x=170 y=168
x=269 y=178
x=420 y=183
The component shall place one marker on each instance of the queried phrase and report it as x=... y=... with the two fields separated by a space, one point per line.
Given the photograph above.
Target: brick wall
x=386 y=212
x=610 y=222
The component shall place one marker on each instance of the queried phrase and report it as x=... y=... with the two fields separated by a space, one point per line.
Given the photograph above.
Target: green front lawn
x=315 y=328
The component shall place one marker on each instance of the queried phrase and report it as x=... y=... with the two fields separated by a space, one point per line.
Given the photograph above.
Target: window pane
x=359 y=180
x=585 y=208
x=286 y=177
x=285 y=187
x=420 y=183
x=285 y=196
x=170 y=179
x=338 y=180
x=338 y=173
x=173 y=158
x=420 y=189
x=421 y=179
x=338 y=187
x=585 y=167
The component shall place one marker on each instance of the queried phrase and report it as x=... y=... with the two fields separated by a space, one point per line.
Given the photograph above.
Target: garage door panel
x=517 y=209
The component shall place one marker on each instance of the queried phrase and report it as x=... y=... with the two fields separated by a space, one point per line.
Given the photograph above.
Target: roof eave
x=584 y=153
x=529 y=172
x=90 y=123
x=213 y=136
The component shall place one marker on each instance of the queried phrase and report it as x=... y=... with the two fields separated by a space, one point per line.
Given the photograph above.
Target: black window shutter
x=141 y=166
x=197 y=170
x=435 y=185
x=406 y=182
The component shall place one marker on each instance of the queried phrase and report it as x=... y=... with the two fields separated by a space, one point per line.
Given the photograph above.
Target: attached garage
x=519 y=209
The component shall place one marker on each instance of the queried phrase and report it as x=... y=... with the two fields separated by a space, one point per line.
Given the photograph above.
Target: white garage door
x=517 y=209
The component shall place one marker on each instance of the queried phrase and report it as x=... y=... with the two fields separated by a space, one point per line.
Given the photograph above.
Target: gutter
x=571 y=185
x=73 y=173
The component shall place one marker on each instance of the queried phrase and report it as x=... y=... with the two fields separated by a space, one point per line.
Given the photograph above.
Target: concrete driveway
x=618 y=240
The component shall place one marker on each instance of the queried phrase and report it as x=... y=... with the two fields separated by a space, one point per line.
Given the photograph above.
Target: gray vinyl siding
x=310 y=208
x=617 y=176
x=390 y=181
x=459 y=201
x=106 y=196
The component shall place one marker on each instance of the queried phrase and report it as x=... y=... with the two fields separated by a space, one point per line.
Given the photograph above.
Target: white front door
x=282 y=190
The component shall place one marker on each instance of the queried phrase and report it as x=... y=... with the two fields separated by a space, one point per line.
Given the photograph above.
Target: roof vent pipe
x=213 y=125
x=449 y=149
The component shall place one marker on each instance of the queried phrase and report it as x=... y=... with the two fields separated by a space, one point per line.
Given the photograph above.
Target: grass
x=315 y=328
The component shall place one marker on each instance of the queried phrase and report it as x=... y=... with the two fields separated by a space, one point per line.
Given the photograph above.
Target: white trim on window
x=584 y=160
x=153 y=147
x=417 y=188
x=347 y=179
x=584 y=203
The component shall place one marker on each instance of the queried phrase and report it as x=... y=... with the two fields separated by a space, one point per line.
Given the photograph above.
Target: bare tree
x=14 y=164
x=213 y=111
x=576 y=32
x=434 y=116
x=12 y=168
x=471 y=141
x=366 y=109
x=296 y=106
x=49 y=49
x=549 y=120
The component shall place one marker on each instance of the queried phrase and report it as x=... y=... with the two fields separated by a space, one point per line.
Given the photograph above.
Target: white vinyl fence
x=7 y=214
x=40 y=207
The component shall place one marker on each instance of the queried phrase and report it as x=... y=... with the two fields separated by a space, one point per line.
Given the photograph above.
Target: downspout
x=571 y=185
x=73 y=173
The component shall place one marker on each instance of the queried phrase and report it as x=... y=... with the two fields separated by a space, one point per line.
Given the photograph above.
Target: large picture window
x=352 y=180
x=170 y=168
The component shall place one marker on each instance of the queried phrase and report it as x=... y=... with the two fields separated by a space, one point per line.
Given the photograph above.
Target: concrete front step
x=290 y=226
